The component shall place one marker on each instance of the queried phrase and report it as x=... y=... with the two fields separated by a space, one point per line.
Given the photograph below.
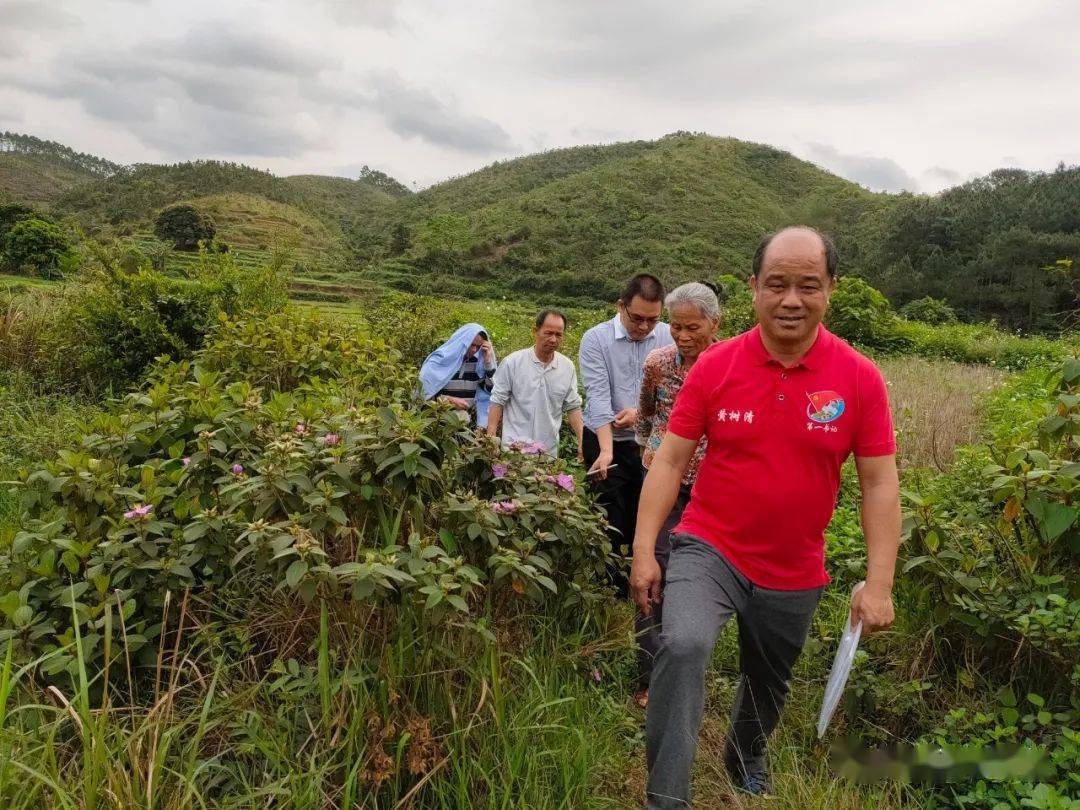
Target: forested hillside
x=36 y=171
x=576 y=221
x=568 y=224
x=990 y=248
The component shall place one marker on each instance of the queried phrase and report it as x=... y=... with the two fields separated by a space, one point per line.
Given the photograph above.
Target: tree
x=928 y=310
x=444 y=235
x=10 y=213
x=399 y=239
x=859 y=313
x=184 y=226
x=36 y=247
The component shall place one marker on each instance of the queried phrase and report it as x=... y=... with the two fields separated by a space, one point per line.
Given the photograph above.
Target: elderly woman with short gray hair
x=694 y=317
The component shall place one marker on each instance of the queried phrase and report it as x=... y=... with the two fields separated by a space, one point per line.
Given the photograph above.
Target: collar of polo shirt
x=811 y=360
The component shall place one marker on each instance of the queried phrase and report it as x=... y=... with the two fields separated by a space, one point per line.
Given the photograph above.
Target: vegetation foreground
x=267 y=576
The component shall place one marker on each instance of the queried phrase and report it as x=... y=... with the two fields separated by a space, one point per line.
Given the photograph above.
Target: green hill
x=38 y=172
x=575 y=222
x=259 y=210
x=570 y=224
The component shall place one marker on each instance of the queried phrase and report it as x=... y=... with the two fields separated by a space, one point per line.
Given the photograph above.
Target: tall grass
x=429 y=719
x=938 y=405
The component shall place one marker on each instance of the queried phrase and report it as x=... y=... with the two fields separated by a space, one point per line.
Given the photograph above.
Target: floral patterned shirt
x=664 y=376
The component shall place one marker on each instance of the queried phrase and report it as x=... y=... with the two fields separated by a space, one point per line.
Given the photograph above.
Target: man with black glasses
x=612 y=360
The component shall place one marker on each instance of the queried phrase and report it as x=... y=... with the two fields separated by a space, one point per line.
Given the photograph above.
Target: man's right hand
x=458 y=402
x=645 y=581
x=599 y=468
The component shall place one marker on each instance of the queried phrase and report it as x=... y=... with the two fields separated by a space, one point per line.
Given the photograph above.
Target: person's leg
x=622 y=487
x=647 y=628
x=702 y=592
x=628 y=455
x=772 y=630
x=609 y=497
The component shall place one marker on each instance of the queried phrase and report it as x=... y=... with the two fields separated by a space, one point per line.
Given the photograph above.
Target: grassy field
x=531 y=712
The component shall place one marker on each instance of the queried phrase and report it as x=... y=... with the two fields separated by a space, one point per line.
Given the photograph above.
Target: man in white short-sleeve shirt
x=534 y=387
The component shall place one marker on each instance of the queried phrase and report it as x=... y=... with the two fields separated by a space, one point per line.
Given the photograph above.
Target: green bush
x=995 y=546
x=184 y=226
x=294 y=464
x=414 y=325
x=736 y=305
x=862 y=315
x=981 y=343
x=105 y=328
x=12 y=213
x=35 y=247
x=928 y=310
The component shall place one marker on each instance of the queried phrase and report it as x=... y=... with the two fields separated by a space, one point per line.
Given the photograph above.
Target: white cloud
x=876 y=173
x=892 y=94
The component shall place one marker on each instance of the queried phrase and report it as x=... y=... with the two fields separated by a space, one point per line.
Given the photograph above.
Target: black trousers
x=618 y=496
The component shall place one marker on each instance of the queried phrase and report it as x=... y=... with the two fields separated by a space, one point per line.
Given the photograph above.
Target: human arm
x=494 y=420
x=598 y=408
x=686 y=426
x=487 y=351
x=880 y=486
x=606 y=441
x=658 y=496
x=874 y=448
x=457 y=402
x=501 y=392
x=646 y=410
x=572 y=409
x=577 y=424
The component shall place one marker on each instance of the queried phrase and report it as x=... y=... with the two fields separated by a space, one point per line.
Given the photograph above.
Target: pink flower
x=140 y=512
x=596 y=676
x=301 y=429
x=187 y=460
x=499 y=470
x=504 y=508
x=331 y=439
x=565 y=481
x=237 y=469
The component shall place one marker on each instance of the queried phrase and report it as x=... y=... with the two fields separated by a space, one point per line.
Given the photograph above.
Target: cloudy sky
x=914 y=95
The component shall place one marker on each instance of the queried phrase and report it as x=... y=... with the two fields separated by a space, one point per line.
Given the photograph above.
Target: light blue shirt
x=612 y=366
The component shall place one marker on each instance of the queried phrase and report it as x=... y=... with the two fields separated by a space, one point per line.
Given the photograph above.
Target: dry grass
x=24 y=327
x=937 y=406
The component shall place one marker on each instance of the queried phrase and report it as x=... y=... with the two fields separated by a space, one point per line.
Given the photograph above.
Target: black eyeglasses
x=637 y=320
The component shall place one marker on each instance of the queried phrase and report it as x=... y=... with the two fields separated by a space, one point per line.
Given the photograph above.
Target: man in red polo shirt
x=782 y=406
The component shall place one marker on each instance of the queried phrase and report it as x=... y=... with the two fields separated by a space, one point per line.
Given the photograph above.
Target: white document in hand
x=849 y=643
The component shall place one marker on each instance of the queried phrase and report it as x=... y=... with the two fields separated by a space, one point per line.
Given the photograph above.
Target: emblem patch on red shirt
x=824 y=407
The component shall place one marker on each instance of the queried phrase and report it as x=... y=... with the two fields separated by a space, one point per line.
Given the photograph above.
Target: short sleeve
x=503 y=384
x=874 y=434
x=643 y=425
x=573 y=398
x=689 y=415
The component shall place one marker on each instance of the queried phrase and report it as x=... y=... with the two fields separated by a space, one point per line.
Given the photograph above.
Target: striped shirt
x=464 y=383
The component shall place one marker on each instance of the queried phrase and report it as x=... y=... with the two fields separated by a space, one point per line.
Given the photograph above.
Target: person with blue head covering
x=462 y=371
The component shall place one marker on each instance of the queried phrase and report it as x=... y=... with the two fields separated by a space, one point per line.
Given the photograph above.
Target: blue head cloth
x=443 y=363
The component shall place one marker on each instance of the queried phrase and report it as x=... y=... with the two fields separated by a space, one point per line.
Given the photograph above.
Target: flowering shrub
x=323 y=480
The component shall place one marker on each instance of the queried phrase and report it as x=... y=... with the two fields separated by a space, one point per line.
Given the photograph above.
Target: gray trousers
x=702 y=592
x=647 y=628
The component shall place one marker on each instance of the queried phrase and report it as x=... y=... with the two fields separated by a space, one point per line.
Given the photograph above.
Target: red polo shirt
x=778 y=436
